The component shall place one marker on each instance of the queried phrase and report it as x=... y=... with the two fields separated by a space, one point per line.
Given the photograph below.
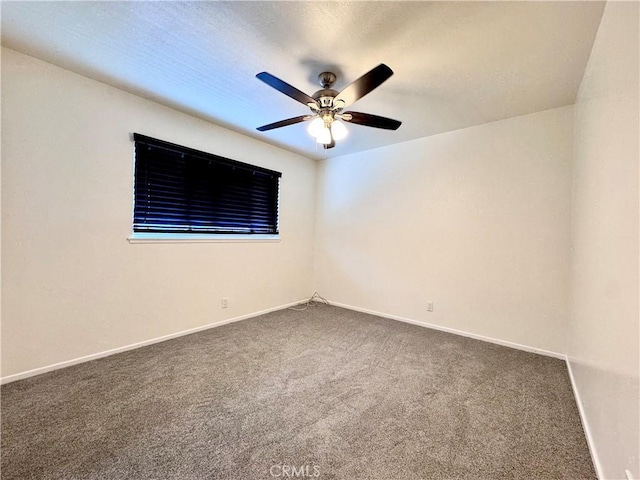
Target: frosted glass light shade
x=324 y=136
x=338 y=130
x=316 y=126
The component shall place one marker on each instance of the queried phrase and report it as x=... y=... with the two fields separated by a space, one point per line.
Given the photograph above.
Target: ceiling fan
x=327 y=105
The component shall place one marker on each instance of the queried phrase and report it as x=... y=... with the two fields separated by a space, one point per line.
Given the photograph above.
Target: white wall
x=475 y=220
x=71 y=283
x=603 y=333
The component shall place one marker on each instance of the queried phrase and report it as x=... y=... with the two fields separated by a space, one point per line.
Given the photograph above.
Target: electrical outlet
x=225 y=302
x=429 y=306
x=627 y=475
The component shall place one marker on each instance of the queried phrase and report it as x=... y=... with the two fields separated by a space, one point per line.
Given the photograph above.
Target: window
x=184 y=191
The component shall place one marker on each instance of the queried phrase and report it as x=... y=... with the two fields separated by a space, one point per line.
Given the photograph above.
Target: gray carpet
x=338 y=394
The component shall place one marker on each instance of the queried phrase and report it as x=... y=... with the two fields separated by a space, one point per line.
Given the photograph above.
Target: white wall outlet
x=225 y=302
x=429 y=306
x=628 y=475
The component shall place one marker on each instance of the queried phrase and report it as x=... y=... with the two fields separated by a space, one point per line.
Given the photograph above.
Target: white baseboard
x=585 y=425
x=95 y=356
x=462 y=333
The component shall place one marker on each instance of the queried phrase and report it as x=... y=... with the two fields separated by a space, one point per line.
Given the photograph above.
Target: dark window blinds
x=181 y=190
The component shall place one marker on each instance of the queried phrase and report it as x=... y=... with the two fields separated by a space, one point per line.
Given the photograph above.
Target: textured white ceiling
x=456 y=64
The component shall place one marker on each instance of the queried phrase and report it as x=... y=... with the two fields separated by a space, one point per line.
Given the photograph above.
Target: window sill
x=195 y=238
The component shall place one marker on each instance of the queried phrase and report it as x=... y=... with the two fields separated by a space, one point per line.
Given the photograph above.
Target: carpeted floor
x=328 y=393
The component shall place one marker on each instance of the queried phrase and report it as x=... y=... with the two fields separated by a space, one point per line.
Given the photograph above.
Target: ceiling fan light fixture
x=324 y=136
x=327 y=105
x=316 y=126
x=338 y=130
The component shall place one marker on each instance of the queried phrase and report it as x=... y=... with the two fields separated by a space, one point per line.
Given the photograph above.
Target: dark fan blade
x=372 y=120
x=284 y=123
x=285 y=88
x=367 y=82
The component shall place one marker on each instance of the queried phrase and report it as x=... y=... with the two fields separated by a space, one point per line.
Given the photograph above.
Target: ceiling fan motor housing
x=325 y=97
